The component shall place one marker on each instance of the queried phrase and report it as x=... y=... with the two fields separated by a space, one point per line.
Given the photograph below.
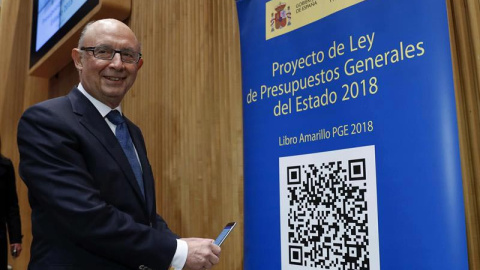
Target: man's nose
x=117 y=60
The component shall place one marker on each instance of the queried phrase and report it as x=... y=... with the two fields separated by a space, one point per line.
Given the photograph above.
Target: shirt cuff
x=180 y=256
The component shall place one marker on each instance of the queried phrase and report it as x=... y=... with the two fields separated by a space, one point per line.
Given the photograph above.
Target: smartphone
x=225 y=232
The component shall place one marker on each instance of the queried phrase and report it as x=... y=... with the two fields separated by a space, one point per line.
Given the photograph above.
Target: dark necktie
x=123 y=136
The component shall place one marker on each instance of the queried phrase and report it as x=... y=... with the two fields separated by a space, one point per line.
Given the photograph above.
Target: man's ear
x=77 y=58
x=140 y=63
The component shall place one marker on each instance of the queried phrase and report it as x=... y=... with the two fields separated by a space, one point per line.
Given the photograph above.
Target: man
x=9 y=212
x=91 y=190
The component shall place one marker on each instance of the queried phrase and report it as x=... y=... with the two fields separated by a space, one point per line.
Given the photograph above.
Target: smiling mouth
x=115 y=79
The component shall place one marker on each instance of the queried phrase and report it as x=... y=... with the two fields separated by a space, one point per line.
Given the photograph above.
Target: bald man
x=91 y=186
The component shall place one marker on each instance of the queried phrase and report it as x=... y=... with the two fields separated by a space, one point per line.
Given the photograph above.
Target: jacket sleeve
x=13 y=213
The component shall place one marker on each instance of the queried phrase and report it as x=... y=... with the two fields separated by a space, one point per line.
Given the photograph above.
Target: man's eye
x=127 y=54
x=103 y=50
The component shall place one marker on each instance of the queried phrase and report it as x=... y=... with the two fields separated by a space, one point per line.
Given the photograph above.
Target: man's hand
x=15 y=249
x=202 y=254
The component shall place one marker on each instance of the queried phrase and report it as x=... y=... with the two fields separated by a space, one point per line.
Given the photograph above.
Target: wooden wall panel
x=464 y=18
x=187 y=100
x=14 y=96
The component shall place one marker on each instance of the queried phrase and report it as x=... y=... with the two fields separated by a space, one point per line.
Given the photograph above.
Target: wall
x=191 y=84
x=187 y=101
x=14 y=97
x=464 y=18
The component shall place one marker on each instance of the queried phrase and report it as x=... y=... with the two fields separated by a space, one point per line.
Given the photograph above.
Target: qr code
x=328 y=210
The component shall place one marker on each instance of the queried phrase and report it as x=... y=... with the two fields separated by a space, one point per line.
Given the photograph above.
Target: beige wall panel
x=63 y=81
x=187 y=100
x=464 y=18
x=16 y=90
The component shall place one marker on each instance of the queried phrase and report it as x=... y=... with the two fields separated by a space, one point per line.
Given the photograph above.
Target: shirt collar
x=102 y=108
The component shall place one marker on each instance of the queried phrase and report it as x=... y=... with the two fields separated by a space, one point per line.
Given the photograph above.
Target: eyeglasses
x=107 y=53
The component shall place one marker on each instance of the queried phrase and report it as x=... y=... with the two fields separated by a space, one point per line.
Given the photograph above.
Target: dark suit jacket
x=87 y=209
x=9 y=211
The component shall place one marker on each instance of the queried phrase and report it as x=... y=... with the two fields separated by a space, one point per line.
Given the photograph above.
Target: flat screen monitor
x=52 y=20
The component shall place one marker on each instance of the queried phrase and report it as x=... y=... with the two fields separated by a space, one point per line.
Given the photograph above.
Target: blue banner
x=351 y=143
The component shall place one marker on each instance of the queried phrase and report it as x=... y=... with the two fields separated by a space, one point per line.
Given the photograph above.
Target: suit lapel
x=95 y=124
